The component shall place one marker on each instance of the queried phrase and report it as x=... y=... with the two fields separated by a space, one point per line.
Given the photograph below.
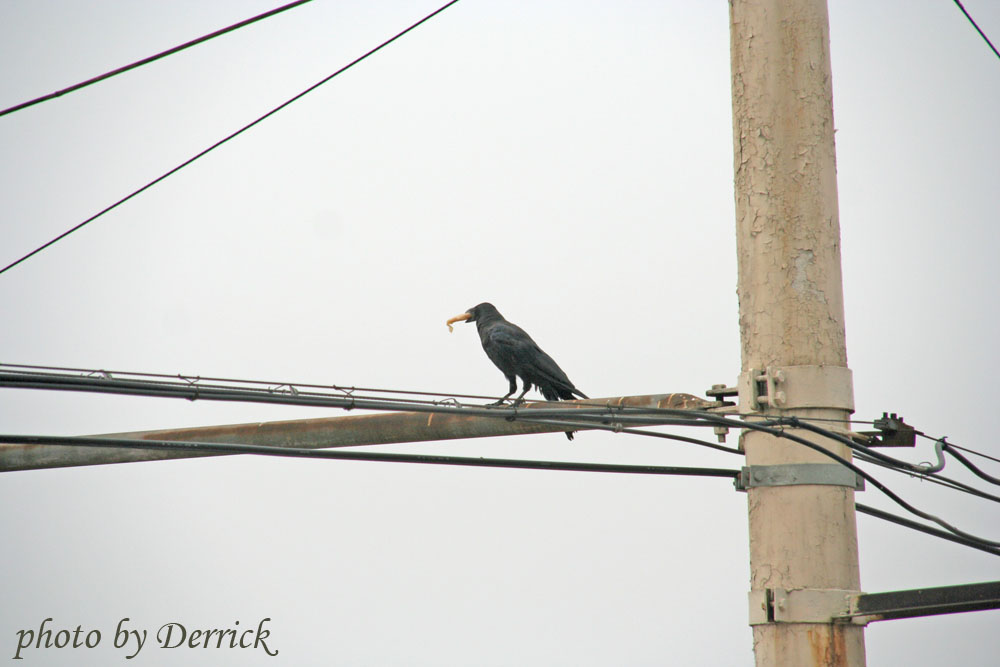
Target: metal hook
x=938 y=450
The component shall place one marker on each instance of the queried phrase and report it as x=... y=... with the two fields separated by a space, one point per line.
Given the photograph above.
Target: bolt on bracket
x=792 y=387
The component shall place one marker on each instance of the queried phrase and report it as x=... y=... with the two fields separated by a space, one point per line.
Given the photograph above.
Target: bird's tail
x=561 y=393
x=552 y=393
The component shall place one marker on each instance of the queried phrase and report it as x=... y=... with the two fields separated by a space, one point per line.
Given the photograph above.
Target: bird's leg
x=513 y=387
x=520 y=399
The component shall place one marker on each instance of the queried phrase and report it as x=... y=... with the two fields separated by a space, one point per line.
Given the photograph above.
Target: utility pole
x=803 y=537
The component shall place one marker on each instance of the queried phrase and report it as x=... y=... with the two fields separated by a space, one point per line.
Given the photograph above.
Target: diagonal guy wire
x=146 y=61
x=231 y=136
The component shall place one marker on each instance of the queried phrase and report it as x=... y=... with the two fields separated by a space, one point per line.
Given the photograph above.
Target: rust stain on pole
x=320 y=433
x=829 y=647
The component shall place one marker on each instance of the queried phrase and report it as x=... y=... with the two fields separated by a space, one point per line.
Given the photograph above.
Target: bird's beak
x=457 y=318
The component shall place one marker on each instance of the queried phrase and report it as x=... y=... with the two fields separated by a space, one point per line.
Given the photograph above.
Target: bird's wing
x=508 y=346
x=513 y=350
x=547 y=371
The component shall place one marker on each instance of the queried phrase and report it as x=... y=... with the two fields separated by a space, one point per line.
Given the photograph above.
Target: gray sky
x=571 y=163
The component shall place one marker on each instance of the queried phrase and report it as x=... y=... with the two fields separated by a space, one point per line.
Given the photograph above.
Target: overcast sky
x=570 y=162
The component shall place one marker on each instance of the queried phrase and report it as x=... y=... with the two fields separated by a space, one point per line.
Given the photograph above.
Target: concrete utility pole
x=803 y=539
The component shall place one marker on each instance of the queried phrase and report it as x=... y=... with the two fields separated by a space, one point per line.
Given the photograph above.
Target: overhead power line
x=587 y=416
x=286 y=394
x=146 y=61
x=933 y=478
x=388 y=457
x=391 y=457
x=902 y=521
x=978 y=29
x=433 y=397
x=227 y=138
x=607 y=417
x=968 y=464
x=792 y=421
x=195 y=379
x=974 y=452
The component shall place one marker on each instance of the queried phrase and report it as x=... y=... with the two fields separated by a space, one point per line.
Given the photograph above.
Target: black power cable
x=193 y=379
x=934 y=478
x=897 y=464
x=974 y=452
x=902 y=521
x=971 y=466
x=289 y=395
x=978 y=29
x=389 y=457
x=597 y=417
x=610 y=417
x=793 y=422
x=146 y=61
x=226 y=139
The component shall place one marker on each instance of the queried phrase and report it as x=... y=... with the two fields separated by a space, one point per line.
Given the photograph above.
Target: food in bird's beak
x=457 y=318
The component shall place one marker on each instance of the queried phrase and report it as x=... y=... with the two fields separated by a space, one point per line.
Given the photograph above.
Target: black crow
x=517 y=355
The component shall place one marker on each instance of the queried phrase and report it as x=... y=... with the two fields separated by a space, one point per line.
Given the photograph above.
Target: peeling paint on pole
x=786 y=182
x=802 y=537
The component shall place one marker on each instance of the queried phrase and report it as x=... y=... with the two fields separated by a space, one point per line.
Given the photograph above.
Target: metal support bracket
x=869 y=607
x=812 y=605
x=792 y=387
x=892 y=432
x=804 y=605
x=794 y=474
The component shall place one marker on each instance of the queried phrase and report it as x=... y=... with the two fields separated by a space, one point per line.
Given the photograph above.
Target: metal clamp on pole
x=792 y=387
x=804 y=605
x=794 y=474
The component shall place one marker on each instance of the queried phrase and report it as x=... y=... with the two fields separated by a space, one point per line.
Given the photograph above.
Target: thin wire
x=951 y=449
x=968 y=464
x=604 y=415
x=799 y=423
x=867 y=476
x=978 y=29
x=744 y=415
x=972 y=451
x=935 y=478
x=226 y=139
x=390 y=457
x=902 y=521
x=191 y=383
x=146 y=61
x=288 y=395
x=617 y=428
x=681 y=438
x=620 y=415
x=102 y=380
x=573 y=466
x=964 y=449
x=585 y=416
x=270 y=383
